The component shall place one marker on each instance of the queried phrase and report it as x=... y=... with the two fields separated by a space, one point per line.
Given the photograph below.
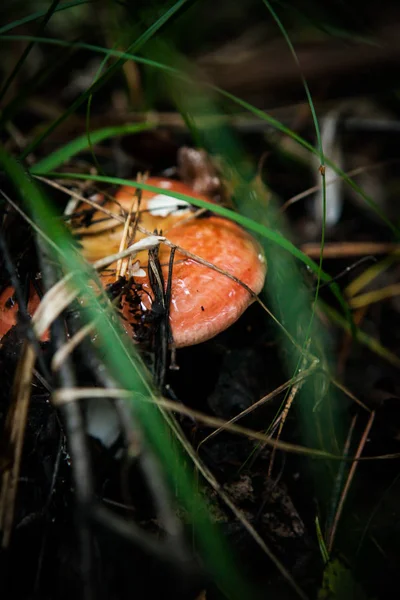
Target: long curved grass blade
x=281 y=127
x=318 y=135
x=303 y=79
x=302 y=142
x=236 y=100
x=60 y=156
x=246 y=222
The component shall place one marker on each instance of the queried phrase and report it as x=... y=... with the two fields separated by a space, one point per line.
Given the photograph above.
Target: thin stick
x=14 y=435
x=316 y=188
x=145 y=244
x=124 y=239
x=350 y=477
x=299 y=377
x=339 y=478
x=347 y=249
x=61 y=354
x=293 y=392
x=348 y=393
x=66 y=396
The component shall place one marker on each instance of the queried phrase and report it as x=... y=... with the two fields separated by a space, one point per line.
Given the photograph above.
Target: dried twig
x=347 y=249
x=297 y=379
x=292 y=394
x=13 y=438
x=332 y=532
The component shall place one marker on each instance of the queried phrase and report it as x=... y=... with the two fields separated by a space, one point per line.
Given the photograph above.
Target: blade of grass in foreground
x=131 y=374
x=63 y=154
x=284 y=281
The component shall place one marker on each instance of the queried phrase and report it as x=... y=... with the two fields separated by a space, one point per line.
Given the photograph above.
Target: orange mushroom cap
x=205 y=302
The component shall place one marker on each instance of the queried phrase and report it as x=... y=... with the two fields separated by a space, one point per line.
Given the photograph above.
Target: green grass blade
x=238 y=101
x=302 y=142
x=246 y=222
x=90 y=139
x=317 y=131
x=63 y=154
x=303 y=79
x=307 y=337
x=220 y=140
x=41 y=13
x=321 y=541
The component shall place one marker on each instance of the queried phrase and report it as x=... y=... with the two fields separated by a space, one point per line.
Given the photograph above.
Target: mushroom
x=204 y=301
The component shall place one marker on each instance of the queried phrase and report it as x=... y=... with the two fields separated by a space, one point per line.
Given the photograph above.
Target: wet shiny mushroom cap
x=205 y=302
